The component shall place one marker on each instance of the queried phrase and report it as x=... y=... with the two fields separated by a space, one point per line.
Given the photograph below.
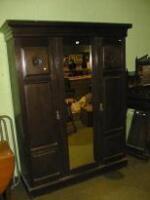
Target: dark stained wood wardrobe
x=35 y=54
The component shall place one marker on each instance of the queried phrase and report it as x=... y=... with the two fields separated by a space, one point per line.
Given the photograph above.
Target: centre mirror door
x=78 y=70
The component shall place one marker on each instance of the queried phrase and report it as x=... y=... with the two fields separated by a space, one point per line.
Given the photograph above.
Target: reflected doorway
x=78 y=101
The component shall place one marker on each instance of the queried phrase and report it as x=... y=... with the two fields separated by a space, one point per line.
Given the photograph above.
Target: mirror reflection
x=78 y=101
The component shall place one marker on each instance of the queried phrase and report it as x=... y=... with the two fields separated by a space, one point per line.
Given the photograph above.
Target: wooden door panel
x=114 y=116
x=35 y=60
x=113 y=145
x=110 y=94
x=113 y=102
x=40 y=114
x=113 y=54
x=46 y=143
x=46 y=163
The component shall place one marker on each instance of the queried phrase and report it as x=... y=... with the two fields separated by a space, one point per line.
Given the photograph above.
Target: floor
x=129 y=183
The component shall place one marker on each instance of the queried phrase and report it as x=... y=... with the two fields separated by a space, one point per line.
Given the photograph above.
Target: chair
x=8 y=161
x=6 y=166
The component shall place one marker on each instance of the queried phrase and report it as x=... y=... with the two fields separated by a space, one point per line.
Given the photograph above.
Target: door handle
x=57 y=115
x=101 y=107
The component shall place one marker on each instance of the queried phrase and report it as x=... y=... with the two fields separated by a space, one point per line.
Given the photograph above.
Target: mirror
x=78 y=100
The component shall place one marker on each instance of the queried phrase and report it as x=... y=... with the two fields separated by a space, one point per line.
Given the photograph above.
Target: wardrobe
x=36 y=60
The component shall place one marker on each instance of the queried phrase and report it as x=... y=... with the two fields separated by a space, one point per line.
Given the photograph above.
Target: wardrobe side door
x=111 y=98
x=114 y=116
x=39 y=105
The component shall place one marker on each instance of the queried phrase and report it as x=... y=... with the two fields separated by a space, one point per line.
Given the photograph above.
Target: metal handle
x=57 y=115
x=101 y=107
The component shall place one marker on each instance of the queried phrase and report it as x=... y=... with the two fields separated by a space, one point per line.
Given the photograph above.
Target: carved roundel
x=35 y=60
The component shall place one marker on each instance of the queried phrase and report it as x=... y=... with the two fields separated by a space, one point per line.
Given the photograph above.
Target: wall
x=136 y=12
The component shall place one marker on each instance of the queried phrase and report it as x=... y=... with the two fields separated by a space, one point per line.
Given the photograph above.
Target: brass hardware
x=57 y=115
x=39 y=62
x=101 y=108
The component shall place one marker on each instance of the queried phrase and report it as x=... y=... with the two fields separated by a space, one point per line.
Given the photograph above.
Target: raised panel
x=114 y=102
x=40 y=114
x=50 y=159
x=113 y=54
x=35 y=60
x=113 y=145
